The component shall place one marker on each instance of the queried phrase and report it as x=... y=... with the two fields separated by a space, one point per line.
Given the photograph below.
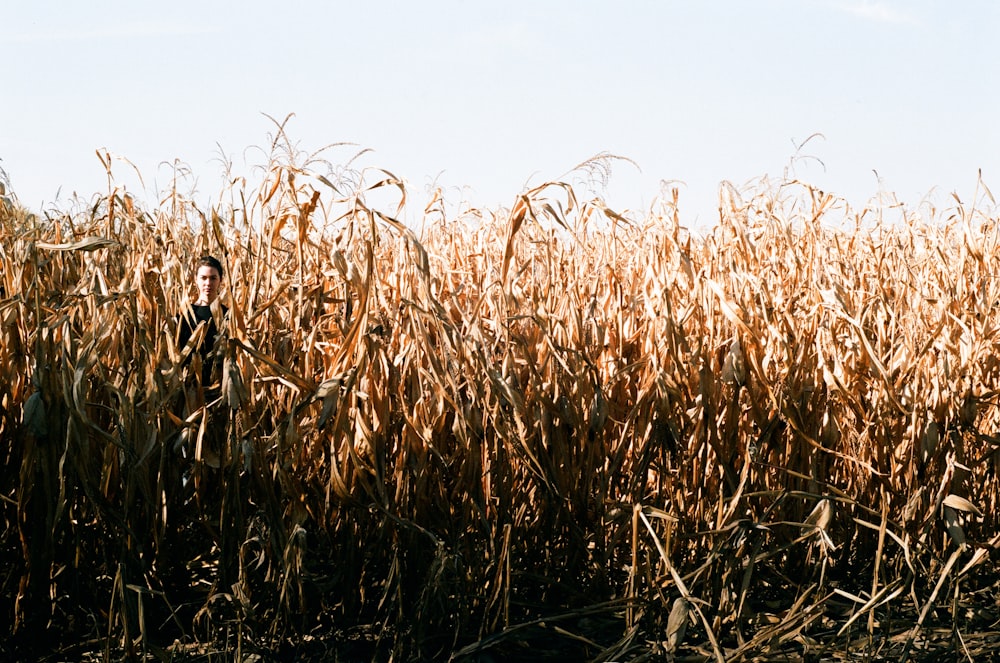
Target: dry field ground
x=553 y=432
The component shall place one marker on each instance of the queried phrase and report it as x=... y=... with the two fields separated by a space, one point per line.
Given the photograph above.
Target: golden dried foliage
x=455 y=435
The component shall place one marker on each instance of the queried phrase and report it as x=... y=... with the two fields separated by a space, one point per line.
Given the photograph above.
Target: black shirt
x=188 y=322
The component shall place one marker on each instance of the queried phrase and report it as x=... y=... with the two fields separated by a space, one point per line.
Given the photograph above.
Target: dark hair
x=210 y=261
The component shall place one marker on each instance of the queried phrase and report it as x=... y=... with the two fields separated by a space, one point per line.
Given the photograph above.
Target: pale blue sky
x=486 y=98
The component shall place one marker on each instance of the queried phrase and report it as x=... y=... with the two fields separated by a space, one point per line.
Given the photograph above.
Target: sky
x=485 y=100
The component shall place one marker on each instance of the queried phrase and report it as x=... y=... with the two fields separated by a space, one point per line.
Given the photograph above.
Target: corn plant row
x=549 y=423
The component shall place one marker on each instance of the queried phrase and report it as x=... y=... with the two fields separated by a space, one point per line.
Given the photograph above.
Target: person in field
x=200 y=322
x=192 y=467
x=208 y=278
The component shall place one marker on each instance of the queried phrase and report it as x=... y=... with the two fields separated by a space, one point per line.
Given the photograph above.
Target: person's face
x=208 y=281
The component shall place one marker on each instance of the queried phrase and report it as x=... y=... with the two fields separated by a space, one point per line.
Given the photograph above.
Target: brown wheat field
x=549 y=432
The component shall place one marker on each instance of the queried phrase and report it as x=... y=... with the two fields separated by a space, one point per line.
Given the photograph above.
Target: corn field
x=547 y=432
